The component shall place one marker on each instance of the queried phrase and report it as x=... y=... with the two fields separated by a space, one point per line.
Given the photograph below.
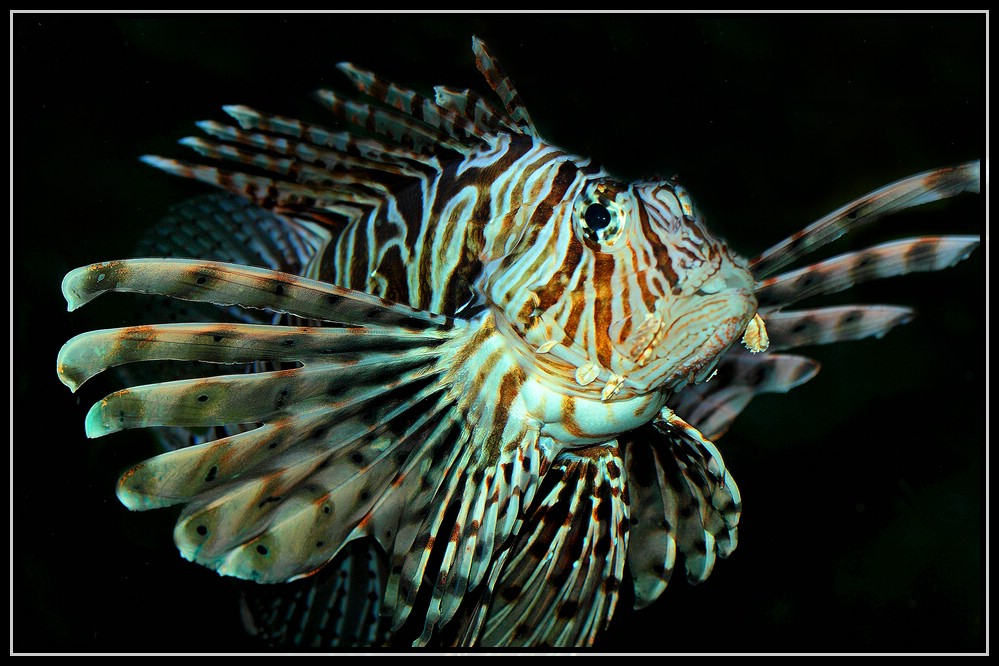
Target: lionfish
x=461 y=374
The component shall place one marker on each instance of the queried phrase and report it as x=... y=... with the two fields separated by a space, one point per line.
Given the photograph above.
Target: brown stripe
x=921 y=253
x=510 y=386
x=359 y=262
x=603 y=285
x=661 y=256
x=863 y=265
x=569 y=421
x=447 y=185
x=564 y=177
x=550 y=293
x=393 y=269
x=577 y=303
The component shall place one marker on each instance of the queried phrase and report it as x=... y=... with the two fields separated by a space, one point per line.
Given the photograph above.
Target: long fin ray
x=906 y=193
x=309 y=464
x=502 y=86
x=820 y=326
x=326 y=187
x=314 y=518
x=474 y=108
x=900 y=257
x=341 y=178
x=711 y=407
x=259 y=502
x=403 y=129
x=308 y=431
x=560 y=577
x=88 y=354
x=412 y=103
x=345 y=144
x=269 y=193
x=249 y=398
x=231 y=284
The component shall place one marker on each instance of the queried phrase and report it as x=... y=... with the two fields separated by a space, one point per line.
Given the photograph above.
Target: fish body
x=491 y=355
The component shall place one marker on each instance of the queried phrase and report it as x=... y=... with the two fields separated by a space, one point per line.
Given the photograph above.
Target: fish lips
x=680 y=345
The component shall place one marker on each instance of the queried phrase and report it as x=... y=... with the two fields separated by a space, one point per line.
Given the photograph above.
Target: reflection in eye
x=597 y=217
x=599 y=214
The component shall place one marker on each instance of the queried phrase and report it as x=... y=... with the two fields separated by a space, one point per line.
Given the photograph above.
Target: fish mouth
x=699 y=365
x=698 y=345
x=673 y=348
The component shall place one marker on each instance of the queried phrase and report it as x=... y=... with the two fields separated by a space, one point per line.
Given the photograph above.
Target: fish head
x=627 y=286
x=688 y=298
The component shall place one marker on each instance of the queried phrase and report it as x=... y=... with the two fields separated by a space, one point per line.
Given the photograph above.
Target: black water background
x=863 y=494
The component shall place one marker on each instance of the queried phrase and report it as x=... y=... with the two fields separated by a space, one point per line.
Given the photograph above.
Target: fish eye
x=600 y=213
x=596 y=217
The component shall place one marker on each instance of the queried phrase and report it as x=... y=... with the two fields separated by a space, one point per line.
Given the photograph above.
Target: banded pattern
x=713 y=407
x=474 y=357
x=575 y=538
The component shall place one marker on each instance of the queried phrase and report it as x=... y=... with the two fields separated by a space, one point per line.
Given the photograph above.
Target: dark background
x=862 y=526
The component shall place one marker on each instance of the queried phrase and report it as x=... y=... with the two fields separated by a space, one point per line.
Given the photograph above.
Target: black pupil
x=597 y=217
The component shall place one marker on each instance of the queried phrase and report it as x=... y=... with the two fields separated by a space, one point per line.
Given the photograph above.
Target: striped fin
x=277 y=502
x=367 y=437
x=821 y=326
x=343 y=143
x=705 y=495
x=236 y=399
x=343 y=405
x=712 y=406
x=503 y=86
x=293 y=515
x=339 y=167
x=226 y=284
x=333 y=187
x=652 y=544
x=558 y=583
x=305 y=170
x=412 y=103
x=339 y=606
x=900 y=257
x=228 y=228
x=408 y=132
x=471 y=500
x=268 y=193
x=474 y=108
x=220 y=227
x=906 y=193
x=472 y=517
x=95 y=351
x=686 y=503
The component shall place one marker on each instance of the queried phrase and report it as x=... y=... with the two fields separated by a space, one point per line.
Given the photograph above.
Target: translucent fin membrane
x=338 y=607
x=706 y=494
x=906 y=193
x=413 y=104
x=231 y=284
x=558 y=583
x=503 y=86
x=821 y=326
x=711 y=407
x=910 y=255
